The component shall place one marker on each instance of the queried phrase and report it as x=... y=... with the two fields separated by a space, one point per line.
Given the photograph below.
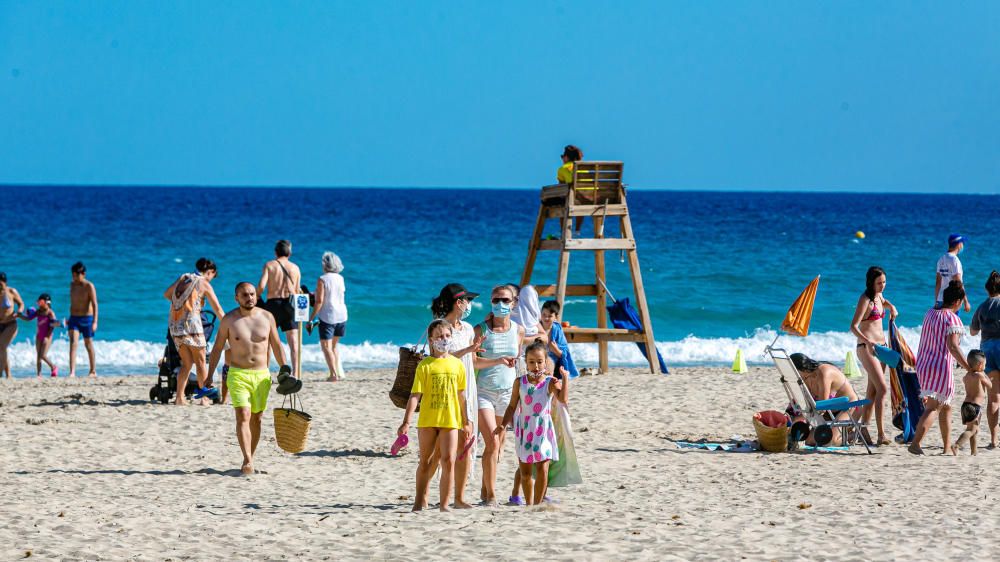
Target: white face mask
x=441 y=345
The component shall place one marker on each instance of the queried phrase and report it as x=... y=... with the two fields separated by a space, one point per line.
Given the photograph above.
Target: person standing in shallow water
x=867 y=326
x=82 y=317
x=332 y=312
x=281 y=279
x=11 y=306
x=949 y=268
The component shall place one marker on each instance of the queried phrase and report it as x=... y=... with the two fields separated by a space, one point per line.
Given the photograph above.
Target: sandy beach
x=92 y=471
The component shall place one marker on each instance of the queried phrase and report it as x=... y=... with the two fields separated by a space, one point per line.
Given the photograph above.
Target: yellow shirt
x=440 y=381
x=565 y=173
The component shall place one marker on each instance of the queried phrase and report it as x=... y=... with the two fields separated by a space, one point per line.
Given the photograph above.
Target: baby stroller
x=166 y=380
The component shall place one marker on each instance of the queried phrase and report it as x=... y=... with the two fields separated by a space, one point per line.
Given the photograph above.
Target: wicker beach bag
x=291 y=425
x=409 y=358
x=772 y=430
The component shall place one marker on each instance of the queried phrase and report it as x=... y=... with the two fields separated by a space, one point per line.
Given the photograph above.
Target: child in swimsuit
x=534 y=432
x=47 y=322
x=977 y=385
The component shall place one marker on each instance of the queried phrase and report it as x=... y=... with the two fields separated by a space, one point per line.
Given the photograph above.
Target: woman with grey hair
x=332 y=312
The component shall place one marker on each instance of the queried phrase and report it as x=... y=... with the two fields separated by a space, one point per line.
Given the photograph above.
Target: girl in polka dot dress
x=534 y=433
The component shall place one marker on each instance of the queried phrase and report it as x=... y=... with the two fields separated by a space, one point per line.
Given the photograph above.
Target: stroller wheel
x=154 y=394
x=800 y=431
x=164 y=395
x=823 y=435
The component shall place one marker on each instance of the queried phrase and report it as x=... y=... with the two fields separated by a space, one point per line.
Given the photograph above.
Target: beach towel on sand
x=906 y=404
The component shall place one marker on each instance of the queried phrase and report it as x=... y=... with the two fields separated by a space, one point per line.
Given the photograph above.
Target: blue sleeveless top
x=498 y=377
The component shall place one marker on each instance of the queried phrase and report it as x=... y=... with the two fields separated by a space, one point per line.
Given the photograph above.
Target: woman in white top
x=332 y=312
x=454 y=305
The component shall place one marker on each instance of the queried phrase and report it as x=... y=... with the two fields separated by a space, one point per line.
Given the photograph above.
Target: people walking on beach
x=867 y=326
x=454 y=304
x=331 y=310
x=534 y=432
x=11 y=306
x=187 y=295
x=82 y=320
x=986 y=321
x=249 y=333
x=949 y=268
x=280 y=279
x=977 y=385
x=940 y=336
x=46 y=322
x=495 y=378
x=439 y=389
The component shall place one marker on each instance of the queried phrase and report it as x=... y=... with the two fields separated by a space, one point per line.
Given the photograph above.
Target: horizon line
x=480 y=188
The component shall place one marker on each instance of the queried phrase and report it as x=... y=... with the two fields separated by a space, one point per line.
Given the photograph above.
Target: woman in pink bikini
x=867 y=326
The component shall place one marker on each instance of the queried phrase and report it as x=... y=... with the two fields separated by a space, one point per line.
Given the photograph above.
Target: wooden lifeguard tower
x=597 y=191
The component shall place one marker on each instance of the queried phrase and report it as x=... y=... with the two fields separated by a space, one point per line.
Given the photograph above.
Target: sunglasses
x=499 y=300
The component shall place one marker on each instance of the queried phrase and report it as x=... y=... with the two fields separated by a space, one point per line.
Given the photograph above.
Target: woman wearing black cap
x=454 y=305
x=10 y=306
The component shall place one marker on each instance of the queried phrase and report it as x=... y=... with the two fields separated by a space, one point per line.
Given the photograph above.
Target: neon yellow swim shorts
x=249 y=387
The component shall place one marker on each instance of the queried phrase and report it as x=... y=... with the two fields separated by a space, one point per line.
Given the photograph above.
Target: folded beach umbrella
x=800 y=314
x=624 y=316
x=906 y=405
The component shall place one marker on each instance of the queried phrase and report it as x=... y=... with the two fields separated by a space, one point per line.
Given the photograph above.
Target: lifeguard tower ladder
x=597 y=192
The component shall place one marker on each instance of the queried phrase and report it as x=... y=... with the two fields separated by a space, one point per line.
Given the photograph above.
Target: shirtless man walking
x=82 y=316
x=249 y=332
x=281 y=279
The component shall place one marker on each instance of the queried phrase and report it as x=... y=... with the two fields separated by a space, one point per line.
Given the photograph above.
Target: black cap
x=457 y=291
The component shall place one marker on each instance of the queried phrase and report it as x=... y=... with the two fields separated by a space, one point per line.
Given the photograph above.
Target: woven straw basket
x=409 y=358
x=772 y=439
x=291 y=427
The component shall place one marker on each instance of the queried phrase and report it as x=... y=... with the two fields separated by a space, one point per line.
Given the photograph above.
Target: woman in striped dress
x=939 y=343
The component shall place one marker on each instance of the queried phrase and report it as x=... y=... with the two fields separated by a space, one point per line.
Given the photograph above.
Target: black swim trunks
x=970 y=412
x=283 y=313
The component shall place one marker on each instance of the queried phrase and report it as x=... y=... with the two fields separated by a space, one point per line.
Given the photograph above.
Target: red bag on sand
x=772 y=418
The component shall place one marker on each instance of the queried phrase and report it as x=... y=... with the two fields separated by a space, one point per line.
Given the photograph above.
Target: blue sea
x=720 y=268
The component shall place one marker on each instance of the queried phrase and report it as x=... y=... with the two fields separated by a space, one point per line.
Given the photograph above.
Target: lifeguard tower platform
x=597 y=192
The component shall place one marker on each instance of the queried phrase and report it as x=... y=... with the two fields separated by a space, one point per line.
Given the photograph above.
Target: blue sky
x=889 y=96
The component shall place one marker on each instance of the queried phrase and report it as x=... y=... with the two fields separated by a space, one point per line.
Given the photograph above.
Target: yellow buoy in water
x=859 y=235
